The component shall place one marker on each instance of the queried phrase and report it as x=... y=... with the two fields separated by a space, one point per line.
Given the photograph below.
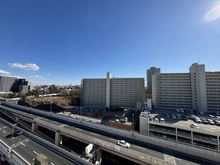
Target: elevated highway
x=25 y=148
x=141 y=141
x=60 y=129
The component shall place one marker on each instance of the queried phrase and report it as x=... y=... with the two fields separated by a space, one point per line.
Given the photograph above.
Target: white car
x=123 y=144
x=156 y=119
x=194 y=126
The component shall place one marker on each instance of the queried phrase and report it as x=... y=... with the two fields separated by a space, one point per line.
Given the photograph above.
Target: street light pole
x=12 y=133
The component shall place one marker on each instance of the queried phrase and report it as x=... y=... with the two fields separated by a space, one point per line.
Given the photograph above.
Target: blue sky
x=62 y=41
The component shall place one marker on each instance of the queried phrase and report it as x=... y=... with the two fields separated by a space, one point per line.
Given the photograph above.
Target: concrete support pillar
x=34 y=127
x=98 y=155
x=192 y=137
x=58 y=138
x=147 y=126
x=176 y=135
x=218 y=143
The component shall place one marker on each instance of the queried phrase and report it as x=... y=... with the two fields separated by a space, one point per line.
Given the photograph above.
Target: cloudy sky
x=61 y=42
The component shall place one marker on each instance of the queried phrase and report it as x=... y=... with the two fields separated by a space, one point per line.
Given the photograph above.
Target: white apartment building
x=213 y=91
x=197 y=90
x=113 y=92
x=150 y=72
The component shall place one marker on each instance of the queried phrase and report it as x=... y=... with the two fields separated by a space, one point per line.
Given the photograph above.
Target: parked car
x=178 y=116
x=156 y=119
x=184 y=117
x=197 y=120
x=217 y=122
x=177 y=110
x=211 y=122
x=191 y=116
x=194 y=126
x=123 y=143
x=173 y=116
x=182 y=110
x=216 y=113
x=201 y=113
x=162 y=120
x=204 y=121
x=211 y=116
x=167 y=115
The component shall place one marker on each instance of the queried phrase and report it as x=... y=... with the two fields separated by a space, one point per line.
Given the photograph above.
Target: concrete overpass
x=23 y=149
x=65 y=130
x=105 y=145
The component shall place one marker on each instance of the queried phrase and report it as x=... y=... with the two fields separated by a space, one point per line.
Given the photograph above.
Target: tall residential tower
x=150 y=73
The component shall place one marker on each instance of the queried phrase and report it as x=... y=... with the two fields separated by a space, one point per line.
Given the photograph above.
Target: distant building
x=197 y=90
x=112 y=92
x=150 y=73
x=13 y=84
x=8 y=84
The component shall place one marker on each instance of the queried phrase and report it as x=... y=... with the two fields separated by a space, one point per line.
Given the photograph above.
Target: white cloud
x=14 y=76
x=4 y=72
x=213 y=13
x=48 y=74
x=28 y=66
x=36 y=76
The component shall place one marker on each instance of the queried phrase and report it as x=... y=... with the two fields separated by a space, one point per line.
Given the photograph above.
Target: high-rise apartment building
x=150 y=72
x=13 y=84
x=112 y=92
x=213 y=90
x=197 y=90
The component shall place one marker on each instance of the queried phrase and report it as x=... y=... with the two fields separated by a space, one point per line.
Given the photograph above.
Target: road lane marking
x=22 y=144
x=52 y=163
x=35 y=152
x=95 y=134
x=3 y=131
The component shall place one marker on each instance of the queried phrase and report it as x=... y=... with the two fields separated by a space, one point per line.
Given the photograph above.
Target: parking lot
x=182 y=123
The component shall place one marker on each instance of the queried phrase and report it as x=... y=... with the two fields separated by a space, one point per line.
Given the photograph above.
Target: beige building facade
x=113 y=92
x=197 y=90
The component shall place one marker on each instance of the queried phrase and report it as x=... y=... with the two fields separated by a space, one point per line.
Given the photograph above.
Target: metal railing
x=11 y=155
